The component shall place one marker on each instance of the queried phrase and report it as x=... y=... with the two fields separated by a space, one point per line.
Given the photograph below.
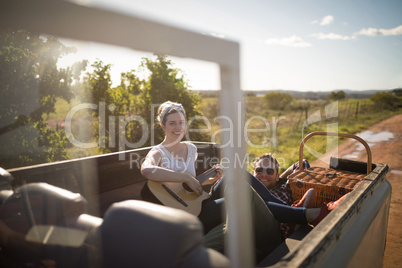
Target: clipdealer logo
x=268 y=129
x=228 y=128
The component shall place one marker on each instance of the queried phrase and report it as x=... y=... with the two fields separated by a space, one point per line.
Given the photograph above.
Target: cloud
x=376 y=32
x=293 y=41
x=333 y=36
x=327 y=20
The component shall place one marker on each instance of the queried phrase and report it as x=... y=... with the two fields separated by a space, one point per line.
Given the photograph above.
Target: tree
x=96 y=83
x=337 y=95
x=397 y=92
x=114 y=102
x=278 y=100
x=385 y=100
x=131 y=82
x=30 y=84
x=165 y=83
x=127 y=118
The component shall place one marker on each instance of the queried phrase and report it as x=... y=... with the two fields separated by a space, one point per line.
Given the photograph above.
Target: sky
x=304 y=45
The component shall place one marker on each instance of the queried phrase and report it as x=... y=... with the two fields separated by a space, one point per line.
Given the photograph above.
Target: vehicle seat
x=44 y=222
x=41 y=204
x=142 y=234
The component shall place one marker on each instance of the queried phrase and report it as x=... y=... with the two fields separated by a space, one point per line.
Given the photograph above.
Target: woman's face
x=175 y=127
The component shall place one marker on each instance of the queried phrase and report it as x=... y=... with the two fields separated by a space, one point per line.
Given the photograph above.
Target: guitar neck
x=201 y=178
x=206 y=175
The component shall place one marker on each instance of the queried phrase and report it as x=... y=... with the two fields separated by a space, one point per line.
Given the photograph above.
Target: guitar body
x=173 y=194
x=193 y=201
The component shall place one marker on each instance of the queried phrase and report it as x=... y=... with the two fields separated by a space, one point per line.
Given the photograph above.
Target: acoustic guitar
x=179 y=195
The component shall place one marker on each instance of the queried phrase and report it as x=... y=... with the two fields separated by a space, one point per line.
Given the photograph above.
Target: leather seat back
x=142 y=234
x=41 y=204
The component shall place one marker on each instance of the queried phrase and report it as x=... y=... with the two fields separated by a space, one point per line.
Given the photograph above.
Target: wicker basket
x=330 y=184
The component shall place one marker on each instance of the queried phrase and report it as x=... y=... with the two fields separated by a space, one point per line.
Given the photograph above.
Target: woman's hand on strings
x=193 y=183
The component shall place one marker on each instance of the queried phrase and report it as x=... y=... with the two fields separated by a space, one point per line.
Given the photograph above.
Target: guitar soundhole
x=185 y=186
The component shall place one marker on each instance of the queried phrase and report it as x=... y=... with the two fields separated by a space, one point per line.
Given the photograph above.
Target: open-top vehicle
x=88 y=212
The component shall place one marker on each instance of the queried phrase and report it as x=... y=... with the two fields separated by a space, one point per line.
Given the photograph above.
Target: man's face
x=266 y=172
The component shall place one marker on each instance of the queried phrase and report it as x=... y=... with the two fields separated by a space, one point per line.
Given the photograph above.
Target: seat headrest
x=142 y=234
x=41 y=203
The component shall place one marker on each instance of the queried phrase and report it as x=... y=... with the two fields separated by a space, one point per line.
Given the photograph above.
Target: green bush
x=278 y=100
x=385 y=100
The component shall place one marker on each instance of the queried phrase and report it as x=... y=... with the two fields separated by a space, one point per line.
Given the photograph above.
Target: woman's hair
x=270 y=157
x=169 y=107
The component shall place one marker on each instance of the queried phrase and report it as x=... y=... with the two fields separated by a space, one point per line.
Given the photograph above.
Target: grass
x=62 y=107
x=81 y=119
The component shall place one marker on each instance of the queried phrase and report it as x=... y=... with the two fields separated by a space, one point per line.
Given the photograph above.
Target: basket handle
x=345 y=135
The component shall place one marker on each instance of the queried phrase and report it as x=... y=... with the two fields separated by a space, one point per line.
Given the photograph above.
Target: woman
x=166 y=161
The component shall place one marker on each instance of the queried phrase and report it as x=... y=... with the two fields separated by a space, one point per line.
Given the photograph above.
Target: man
x=266 y=170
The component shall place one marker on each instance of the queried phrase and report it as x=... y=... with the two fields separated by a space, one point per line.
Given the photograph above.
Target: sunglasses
x=270 y=171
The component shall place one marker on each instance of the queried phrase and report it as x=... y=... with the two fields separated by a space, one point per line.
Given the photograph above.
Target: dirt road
x=386 y=150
